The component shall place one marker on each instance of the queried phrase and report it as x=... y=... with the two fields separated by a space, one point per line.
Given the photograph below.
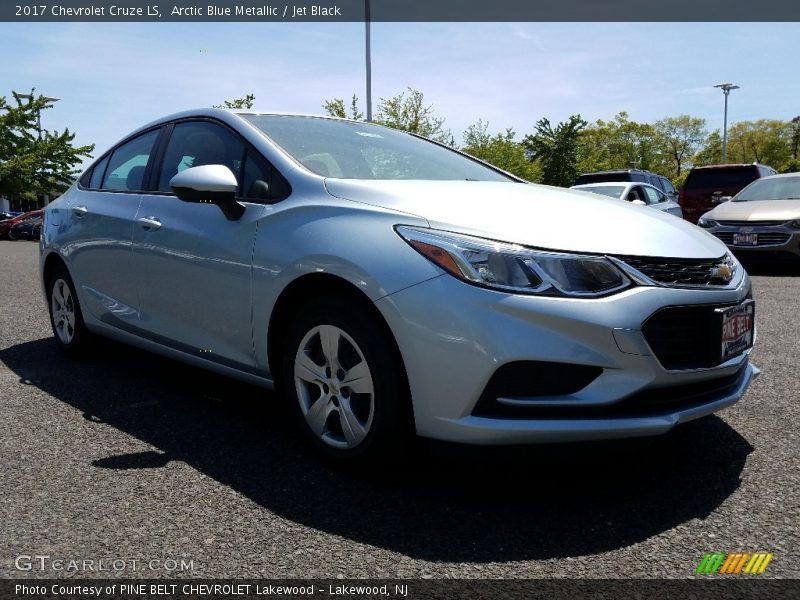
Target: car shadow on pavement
x=444 y=504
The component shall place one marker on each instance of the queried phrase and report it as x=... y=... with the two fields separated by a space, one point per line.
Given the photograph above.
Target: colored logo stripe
x=722 y=562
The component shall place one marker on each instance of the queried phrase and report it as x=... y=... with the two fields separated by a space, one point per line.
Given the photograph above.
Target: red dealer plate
x=737 y=328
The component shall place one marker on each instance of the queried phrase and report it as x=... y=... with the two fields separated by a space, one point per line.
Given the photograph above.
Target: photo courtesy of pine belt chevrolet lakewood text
x=388 y=286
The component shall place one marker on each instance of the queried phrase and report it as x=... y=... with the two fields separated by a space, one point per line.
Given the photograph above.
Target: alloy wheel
x=62 y=307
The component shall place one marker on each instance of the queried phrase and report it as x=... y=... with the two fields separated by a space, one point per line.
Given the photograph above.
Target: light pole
x=50 y=100
x=726 y=89
x=369 y=60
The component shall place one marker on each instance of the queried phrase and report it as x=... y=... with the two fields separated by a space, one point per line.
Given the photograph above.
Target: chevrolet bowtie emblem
x=722 y=272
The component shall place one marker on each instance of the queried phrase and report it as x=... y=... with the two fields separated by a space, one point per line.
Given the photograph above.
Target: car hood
x=536 y=215
x=757 y=210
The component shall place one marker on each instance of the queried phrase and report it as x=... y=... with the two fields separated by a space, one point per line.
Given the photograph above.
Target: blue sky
x=114 y=77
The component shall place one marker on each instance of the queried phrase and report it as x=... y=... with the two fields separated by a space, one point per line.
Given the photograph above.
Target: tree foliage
x=500 y=150
x=336 y=108
x=406 y=111
x=556 y=149
x=246 y=101
x=679 y=138
x=34 y=163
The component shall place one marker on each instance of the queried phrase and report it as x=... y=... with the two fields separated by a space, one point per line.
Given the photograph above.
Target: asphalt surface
x=133 y=457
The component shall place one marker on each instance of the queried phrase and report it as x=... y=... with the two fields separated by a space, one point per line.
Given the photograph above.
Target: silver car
x=388 y=285
x=634 y=192
x=761 y=220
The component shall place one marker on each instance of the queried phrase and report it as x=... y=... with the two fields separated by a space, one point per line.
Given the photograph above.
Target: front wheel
x=345 y=382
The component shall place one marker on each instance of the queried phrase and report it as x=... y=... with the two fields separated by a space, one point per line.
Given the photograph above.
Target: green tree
x=556 y=150
x=500 y=150
x=34 y=163
x=244 y=102
x=795 y=141
x=619 y=144
x=336 y=108
x=404 y=112
x=680 y=138
x=766 y=141
x=711 y=151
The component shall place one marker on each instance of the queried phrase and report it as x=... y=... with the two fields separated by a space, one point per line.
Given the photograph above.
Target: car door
x=99 y=229
x=193 y=266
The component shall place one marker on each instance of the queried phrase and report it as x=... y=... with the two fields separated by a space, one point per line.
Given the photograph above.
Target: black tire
x=80 y=340
x=391 y=424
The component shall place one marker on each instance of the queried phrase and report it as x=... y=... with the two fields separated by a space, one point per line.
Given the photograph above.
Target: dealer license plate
x=745 y=239
x=738 y=324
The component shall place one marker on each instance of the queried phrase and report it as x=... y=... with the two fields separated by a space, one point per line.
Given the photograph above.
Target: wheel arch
x=298 y=293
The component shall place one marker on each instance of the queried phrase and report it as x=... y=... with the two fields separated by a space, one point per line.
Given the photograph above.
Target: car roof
x=729 y=166
x=227 y=115
x=781 y=175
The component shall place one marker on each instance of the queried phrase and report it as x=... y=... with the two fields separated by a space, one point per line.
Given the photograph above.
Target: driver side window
x=199 y=143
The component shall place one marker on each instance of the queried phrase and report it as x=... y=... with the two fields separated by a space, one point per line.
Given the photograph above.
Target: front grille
x=676 y=271
x=770 y=238
x=685 y=337
x=647 y=403
x=751 y=223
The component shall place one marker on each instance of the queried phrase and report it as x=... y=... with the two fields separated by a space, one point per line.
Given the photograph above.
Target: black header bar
x=400 y=11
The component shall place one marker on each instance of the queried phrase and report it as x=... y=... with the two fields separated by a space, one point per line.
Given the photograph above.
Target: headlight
x=706 y=223
x=795 y=224
x=516 y=269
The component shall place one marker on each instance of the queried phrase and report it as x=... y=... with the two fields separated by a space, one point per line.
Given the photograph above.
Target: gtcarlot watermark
x=44 y=562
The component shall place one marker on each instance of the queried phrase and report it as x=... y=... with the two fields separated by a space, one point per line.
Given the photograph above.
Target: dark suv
x=706 y=187
x=654 y=179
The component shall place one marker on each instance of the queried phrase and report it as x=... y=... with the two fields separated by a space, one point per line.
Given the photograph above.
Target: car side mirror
x=638 y=202
x=724 y=199
x=209 y=184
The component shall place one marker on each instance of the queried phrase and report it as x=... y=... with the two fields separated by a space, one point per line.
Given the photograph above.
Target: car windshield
x=615 y=191
x=348 y=150
x=779 y=188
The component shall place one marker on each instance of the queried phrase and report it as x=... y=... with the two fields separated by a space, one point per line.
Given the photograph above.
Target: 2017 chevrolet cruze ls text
x=388 y=285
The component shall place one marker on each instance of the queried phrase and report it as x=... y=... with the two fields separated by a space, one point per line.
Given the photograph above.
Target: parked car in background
x=763 y=219
x=706 y=187
x=29 y=229
x=5 y=226
x=657 y=181
x=390 y=285
x=637 y=193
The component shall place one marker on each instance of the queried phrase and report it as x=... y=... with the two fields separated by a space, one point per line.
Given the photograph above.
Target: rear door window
x=128 y=163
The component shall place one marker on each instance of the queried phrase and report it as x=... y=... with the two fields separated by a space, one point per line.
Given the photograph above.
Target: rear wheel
x=344 y=382
x=69 y=330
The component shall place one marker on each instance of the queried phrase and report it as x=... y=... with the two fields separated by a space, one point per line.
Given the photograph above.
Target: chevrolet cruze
x=387 y=285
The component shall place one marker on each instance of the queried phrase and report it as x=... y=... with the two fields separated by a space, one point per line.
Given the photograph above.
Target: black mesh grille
x=676 y=271
x=771 y=238
x=685 y=337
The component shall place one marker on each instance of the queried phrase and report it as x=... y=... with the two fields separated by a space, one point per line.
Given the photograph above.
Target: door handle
x=79 y=211
x=150 y=223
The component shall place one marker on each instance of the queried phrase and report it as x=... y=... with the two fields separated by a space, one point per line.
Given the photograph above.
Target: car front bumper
x=453 y=338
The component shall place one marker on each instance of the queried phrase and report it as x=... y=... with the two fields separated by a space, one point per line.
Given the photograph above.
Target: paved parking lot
x=133 y=457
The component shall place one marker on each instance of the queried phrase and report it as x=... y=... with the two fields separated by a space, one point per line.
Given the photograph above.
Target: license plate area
x=737 y=329
x=745 y=239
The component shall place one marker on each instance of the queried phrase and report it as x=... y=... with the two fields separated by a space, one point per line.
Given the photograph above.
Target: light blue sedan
x=391 y=286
